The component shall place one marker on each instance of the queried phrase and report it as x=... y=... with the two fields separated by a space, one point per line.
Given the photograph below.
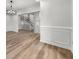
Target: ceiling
x=19 y=4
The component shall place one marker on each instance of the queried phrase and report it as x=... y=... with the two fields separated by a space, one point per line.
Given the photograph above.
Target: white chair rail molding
x=56 y=22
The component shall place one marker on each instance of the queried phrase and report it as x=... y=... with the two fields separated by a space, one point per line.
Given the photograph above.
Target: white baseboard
x=57 y=44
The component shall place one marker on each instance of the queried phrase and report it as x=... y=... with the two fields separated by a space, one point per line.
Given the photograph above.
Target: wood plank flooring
x=27 y=45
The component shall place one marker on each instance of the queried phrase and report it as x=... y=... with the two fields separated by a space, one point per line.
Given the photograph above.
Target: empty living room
x=39 y=29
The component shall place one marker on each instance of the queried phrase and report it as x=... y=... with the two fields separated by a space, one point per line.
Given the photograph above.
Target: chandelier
x=10 y=11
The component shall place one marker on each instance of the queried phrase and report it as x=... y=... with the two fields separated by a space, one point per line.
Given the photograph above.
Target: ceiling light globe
x=37 y=0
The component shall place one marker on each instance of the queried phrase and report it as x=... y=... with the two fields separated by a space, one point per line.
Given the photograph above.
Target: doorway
x=30 y=22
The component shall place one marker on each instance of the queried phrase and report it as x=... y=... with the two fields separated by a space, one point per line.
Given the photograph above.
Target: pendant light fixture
x=11 y=11
x=37 y=0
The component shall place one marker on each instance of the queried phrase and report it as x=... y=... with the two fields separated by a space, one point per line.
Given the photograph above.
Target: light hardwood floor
x=27 y=45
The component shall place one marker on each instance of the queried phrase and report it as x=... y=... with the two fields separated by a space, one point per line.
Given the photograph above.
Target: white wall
x=37 y=23
x=12 y=23
x=56 y=22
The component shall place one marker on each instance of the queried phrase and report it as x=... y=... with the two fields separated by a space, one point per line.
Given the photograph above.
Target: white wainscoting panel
x=57 y=35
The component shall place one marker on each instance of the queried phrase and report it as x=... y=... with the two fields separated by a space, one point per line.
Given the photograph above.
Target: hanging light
x=37 y=0
x=10 y=11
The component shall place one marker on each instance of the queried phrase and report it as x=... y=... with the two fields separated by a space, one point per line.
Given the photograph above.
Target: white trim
x=57 y=27
x=57 y=44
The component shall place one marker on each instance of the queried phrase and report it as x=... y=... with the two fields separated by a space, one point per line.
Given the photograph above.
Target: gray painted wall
x=12 y=23
x=56 y=22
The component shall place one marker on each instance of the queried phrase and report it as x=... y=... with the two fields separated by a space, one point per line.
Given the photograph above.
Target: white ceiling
x=19 y=4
